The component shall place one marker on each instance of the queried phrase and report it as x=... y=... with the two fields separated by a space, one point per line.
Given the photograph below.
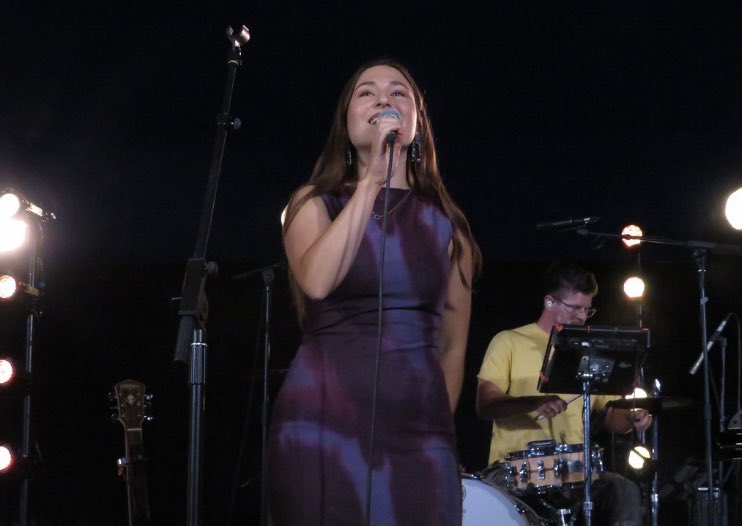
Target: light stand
x=26 y=429
x=193 y=302
x=700 y=250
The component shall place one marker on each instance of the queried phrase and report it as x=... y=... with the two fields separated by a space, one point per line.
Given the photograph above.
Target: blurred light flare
x=733 y=209
x=638 y=393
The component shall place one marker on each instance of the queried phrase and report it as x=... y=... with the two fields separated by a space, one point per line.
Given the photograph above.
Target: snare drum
x=486 y=505
x=547 y=465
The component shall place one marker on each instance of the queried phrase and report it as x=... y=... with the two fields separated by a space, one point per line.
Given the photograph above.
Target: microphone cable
x=380 y=311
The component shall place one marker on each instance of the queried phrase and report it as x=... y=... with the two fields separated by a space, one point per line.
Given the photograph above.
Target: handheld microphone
x=567 y=223
x=391 y=136
x=711 y=342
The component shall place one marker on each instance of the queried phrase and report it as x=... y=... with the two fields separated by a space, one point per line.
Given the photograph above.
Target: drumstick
x=575 y=397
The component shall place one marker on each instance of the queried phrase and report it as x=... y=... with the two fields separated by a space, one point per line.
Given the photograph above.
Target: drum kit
x=547 y=483
x=539 y=485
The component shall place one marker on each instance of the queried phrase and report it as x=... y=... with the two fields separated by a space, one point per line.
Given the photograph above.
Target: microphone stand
x=700 y=250
x=268 y=277
x=193 y=302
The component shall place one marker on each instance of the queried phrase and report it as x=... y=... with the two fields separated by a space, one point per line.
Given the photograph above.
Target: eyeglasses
x=589 y=311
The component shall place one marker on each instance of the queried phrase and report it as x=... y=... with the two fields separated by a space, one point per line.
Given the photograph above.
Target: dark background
x=630 y=111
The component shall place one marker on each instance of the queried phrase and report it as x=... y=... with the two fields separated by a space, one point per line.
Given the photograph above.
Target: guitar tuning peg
x=149 y=397
x=149 y=418
x=114 y=418
x=111 y=396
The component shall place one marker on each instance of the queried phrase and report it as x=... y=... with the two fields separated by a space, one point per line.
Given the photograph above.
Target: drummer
x=507 y=393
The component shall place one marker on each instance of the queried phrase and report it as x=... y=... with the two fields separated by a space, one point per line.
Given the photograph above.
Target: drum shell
x=485 y=504
x=547 y=468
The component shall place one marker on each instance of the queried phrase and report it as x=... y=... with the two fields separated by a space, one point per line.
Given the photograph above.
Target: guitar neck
x=131 y=405
x=136 y=479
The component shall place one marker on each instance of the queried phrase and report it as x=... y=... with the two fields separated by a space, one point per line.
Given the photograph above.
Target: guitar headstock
x=131 y=404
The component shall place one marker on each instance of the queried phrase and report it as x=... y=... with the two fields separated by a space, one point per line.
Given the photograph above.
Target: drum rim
x=549 y=451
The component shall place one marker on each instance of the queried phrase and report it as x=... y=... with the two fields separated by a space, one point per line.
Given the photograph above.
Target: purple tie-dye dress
x=319 y=444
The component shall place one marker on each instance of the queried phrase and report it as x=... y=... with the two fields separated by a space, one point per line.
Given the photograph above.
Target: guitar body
x=131 y=404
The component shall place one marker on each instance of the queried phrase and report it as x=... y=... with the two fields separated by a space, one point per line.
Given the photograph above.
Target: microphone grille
x=390 y=113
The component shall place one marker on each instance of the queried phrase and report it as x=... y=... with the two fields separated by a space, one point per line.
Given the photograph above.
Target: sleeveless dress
x=318 y=453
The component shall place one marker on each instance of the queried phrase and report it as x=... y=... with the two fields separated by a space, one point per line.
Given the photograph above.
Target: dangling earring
x=349 y=157
x=415 y=155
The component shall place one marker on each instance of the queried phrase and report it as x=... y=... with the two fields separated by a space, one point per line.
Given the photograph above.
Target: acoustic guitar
x=131 y=406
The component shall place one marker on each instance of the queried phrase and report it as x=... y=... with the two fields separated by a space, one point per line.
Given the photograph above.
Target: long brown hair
x=332 y=172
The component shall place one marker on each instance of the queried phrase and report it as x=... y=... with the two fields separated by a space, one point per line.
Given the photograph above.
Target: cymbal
x=652 y=404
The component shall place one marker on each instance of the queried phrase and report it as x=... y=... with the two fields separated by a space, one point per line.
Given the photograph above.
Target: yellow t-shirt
x=512 y=362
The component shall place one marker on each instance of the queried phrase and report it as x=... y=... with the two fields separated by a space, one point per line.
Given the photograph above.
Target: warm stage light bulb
x=8 y=286
x=9 y=205
x=634 y=287
x=6 y=458
x=733 y=209
x=632 y=230
x=638 y=393
x=13 y=234
x=6 y=371
x=639 y=456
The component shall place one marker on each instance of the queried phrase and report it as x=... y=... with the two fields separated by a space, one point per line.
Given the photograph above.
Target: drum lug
x=524 y=473
x=541 y=470
x=559 y=466
x=510 y=471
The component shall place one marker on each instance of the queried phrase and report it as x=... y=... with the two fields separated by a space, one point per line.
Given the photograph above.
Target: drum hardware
x=562 y=516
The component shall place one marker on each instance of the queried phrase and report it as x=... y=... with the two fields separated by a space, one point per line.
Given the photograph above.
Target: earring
x=415 y=155
x=349 y=157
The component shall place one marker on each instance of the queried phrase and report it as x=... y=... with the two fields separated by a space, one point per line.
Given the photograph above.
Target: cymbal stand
x=587 y=505
x=654 y=494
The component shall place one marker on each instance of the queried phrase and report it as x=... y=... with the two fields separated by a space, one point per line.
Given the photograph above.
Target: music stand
x=589 y=360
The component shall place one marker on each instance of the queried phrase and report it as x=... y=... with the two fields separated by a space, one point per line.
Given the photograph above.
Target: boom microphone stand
x=193 y=302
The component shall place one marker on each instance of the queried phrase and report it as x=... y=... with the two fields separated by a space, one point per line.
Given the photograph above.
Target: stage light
x=8 y=286
x=638 y=393
x=6 y=458
x=733 y=209
x=11 y=287
x=632 y=230
x=12 y=203
x=13 y=234
x=640 y=458
x=7 y=371
x=634 y=288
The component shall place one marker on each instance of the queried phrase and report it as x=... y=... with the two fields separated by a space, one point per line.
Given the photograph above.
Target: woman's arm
x=455 y=326
x=320 y=251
